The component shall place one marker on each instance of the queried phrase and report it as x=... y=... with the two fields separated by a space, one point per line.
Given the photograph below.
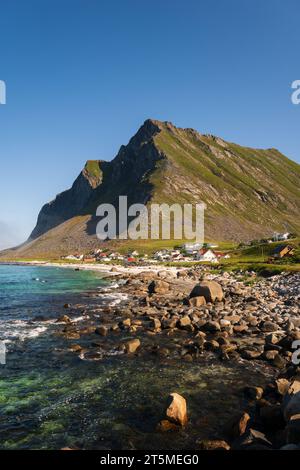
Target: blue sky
x=82 y=76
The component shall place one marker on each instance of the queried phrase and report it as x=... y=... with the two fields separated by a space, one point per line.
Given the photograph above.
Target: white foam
x=20 y=330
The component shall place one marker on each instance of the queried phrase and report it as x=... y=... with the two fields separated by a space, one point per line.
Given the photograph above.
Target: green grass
x=93 y=168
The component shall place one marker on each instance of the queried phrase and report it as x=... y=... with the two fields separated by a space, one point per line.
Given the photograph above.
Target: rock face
x=177 y=410
x=72 y=202
x=165 y=163
x=210 y=290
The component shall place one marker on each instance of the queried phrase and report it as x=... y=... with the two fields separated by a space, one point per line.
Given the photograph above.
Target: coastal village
x=185 y=253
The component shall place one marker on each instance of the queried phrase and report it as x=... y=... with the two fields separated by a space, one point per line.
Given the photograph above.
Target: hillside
x=249 y=193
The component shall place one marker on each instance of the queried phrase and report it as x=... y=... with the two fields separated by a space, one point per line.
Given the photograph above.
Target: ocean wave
x=20 y=330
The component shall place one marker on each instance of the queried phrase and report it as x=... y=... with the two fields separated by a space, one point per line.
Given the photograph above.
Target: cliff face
x=248 y=192
x=105 y=181
x=70 y=203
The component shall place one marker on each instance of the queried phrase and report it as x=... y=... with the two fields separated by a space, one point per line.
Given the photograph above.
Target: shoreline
x=156 y=318
x=113 y=270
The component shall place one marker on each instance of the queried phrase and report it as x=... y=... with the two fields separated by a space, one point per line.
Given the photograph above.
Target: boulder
x=158 y=287
x=132 y=345
x=237 y=425
x=126 y=322
x=184 y=321
x=210 y=290
x=177 y=410
x=211 y=326
x=102 y=330
x=64 y=319
x=282 y=386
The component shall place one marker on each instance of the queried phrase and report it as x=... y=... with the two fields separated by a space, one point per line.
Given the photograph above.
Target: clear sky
x=82 y=75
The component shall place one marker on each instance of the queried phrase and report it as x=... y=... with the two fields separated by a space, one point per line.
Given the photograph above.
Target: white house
x=281 y=236
x=207 y=255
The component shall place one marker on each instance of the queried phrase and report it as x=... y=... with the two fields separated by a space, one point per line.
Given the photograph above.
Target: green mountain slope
x=249 y=193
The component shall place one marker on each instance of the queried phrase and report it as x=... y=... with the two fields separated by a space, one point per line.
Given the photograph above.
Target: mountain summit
x=249 y=193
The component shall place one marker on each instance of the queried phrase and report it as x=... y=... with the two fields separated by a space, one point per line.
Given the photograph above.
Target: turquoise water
x=51 y=398
x=29 y=292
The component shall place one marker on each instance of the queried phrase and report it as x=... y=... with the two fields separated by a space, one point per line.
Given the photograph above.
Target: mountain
x=249 y=192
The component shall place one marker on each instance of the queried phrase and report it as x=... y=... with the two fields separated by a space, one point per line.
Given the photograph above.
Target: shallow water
x=50 y=398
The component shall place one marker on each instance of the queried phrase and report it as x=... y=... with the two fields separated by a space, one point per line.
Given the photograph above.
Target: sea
x=51 y=398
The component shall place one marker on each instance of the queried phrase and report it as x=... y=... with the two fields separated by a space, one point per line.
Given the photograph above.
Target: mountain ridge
x=249 y=192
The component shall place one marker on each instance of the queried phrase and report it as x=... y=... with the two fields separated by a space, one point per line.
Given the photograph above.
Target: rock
x=291 y=400
x=211 y=345
x=197 y=301
x=272 y=339
x=132 y=345
x=224 y=323
x=169 y=322
x=166 y=426
x=254 y=393
x=158 y=287
x=252 y=439
x=232 y=318
x=282 y=386
x=126 y=322
x=237 y=425
x=240 y=328
x=250 y=354
x=211 y=290
x=217 y=444
x=177 y=410
x=64 y=319
x=102 y=330
x=71 y=335
x=293 y=430
x=156 y=324
x=270 y=355
x=184 y=321
x=75 y=348
x=67 y=306
x=211 y=326
x=269 y=326
x=279 y=362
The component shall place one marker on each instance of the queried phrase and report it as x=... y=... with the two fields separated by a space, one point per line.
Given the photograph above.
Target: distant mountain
x=249 y=193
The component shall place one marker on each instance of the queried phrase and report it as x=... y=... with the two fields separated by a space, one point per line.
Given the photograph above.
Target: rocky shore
x=184 y=314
